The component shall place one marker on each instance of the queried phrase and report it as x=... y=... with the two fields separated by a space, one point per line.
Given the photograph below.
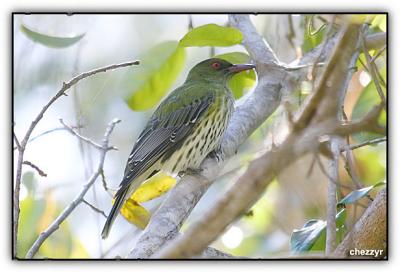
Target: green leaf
x=368 y=99
x=161 y=67
x=50 y=40
x=312 y=37
x=312 y=235
x=242 y=81
x=303 y=239
x=234 y=57
x=340 y=225
x=353 y=196
x=212 y=35
x=379 y=22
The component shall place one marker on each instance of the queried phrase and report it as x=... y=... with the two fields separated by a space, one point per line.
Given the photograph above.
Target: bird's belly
x=205 y=138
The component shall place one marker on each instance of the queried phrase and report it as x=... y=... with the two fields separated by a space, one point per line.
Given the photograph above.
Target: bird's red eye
x=216 y=65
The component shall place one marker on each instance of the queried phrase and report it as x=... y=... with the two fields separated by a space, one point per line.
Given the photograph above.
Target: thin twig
x=61 y=128
x=32 y=126
x=322 y=49
x=373 y=71
x=378 y=53
x=94 y=208
x=16 y=141
x=40 y=172
x=104 y=183
x=79 y=198
x=291 y=33
x=369 y=142
x=324 y=171
x=85 y=139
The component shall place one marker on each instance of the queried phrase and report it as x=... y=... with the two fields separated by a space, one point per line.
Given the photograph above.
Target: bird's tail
x=119 y=201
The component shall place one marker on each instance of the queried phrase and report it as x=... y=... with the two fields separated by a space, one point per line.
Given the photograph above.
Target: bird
x=184 y=129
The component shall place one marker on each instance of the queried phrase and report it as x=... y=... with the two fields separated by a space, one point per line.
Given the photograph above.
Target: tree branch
x=376 y=40
x=79 y=198
x=250 y=187
x=274 y=79
x=370 y=230
x=259 y=50
x=36 y=120
x=33 y=166
x=16 y=142
x=333 y=180
x=212 y=253
x=247 y=117
x=372 y=41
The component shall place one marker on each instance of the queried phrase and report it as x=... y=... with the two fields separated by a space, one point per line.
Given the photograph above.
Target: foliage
x=154 y=187
x=267 y=227
x=312 y=37
x=311 y=237
x=242 y=81
x=36 y=215
x=50 y=40
x=353 y=196
x=212 y=35
x=163 y=63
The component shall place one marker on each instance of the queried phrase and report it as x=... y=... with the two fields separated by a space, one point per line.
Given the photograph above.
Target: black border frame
x=386 y=258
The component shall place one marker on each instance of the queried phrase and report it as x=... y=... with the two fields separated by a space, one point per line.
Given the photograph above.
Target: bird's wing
x=164 y=132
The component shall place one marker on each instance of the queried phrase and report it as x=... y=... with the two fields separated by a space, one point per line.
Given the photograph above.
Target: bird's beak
x=236 y=68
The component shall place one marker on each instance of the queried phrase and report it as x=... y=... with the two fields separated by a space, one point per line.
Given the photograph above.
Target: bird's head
x=216 y=69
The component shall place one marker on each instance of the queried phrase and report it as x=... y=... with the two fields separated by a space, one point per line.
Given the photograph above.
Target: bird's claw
x=190 y=171
x=217 y=155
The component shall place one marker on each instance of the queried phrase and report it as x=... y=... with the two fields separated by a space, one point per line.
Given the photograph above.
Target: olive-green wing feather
x=165 y=132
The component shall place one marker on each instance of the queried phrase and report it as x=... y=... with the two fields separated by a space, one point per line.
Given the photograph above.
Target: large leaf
x=154 y=187
x=303 y=239
x=242 y=81
x=50 y=40
x=212 y=35
x=160 y=68
x=312 y=235
x=135 y=213
x=353 y=196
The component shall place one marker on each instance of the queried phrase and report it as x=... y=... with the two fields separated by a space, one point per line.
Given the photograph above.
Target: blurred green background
x=78 y=43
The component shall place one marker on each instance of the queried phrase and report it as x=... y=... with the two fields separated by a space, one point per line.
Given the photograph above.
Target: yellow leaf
x=135 y=214
x=153 y=188
x=150 y=189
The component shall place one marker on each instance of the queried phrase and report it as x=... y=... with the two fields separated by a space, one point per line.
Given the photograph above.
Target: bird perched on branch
x=186 y=126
